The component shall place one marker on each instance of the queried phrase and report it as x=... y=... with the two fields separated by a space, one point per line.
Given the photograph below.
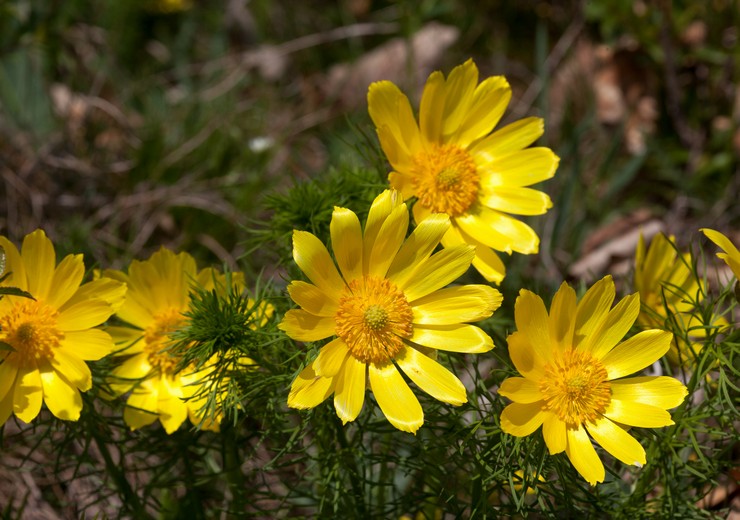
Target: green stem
x=130 y=498
x=353 y=471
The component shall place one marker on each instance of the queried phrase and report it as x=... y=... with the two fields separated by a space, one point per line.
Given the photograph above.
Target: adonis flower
x=574 y=366
x=158 y=296
x=49 y=337
x=389 y=310
x=669 y=289
x=731 y=255
x=451 y=164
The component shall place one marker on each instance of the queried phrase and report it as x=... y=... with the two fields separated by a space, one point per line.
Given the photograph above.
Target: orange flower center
x=372 y=319
x=31 y=328
x=445 y=179
x=157 y=339
x=575 y=388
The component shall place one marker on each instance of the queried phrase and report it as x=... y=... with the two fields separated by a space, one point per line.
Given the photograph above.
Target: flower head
x=669 y=290
x=451 y=164
x=387 y=309
x=159 y=294
x=574 y=366
x=51 y=335
x=731 y=255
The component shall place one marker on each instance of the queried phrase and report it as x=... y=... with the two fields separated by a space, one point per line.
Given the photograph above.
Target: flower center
x=157 y=339
x=31 y=329
x=445 y=179
x=575 y=388
x=372 y=319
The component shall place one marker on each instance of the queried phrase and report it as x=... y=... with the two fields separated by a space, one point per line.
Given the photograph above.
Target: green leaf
x=2 y=261
x=15 y=291
x=6 y=347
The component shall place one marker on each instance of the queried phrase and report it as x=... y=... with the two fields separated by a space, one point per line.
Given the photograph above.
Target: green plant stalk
x=351 y=465
x=130 y=498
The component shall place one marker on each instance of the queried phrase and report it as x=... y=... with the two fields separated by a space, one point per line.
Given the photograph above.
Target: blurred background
x=130 y=125
x=125 y=126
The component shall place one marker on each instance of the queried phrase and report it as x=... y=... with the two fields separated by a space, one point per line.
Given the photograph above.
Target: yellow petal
x=396 y=400
x=520 y=168
x=127 y=340
x=314 y=260
x=390 y=237
x=499 y=231
x=73 y=368
x=136 y=312
x=302 y=326
x=511 y=138
x=722 y=242
x=488 y=264
x=661 y=391
x=388 y=106
x=661 y=256
x=593 y=308
x=417 y=248
x=28 y=393
x=39 y=258
x=554 y=433
x=452 y=338
x=636 y=353
x=6 y=407
x=731 y=255
x=632 y=413
x=583 y=456
x=562 y=317
x=89 y=345
x=459 y=91
x=533 y=322
x=516 y=200
x=331 y=358
x=66 y=280
x=346 y=242
x=488 y=104
x=402 y=182
x=617 y=442
x=309 y=389
x=126 y=375
x=431 y=377
x=521 y=420
x=8 y=371
x=110 y=290
x=84 y=315
x=525 y=357
x=349 y=394
x=396 y=151
x=453 y=305
x=312 y=299
x=521 y=390
x=172 y=410
x=141 y=406
x=431 y=108
x=380 y=209
x=439 y=270
x=61 y=397
x=611 y=331
x=14 y=265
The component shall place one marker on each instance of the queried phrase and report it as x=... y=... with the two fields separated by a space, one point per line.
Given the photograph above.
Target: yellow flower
x=452 y=165
x=52 y=335
x=573 y=365
x=388 y=309
x=158 y=295
x=731 y=255
x=669 y=290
